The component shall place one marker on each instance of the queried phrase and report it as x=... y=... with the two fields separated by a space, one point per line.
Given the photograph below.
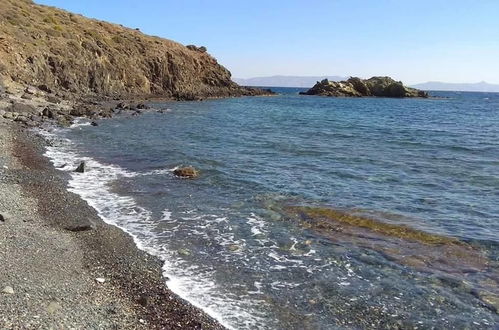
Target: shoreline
x=65 y=291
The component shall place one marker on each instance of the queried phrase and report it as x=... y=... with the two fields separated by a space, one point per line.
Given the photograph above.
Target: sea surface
x=233 y=242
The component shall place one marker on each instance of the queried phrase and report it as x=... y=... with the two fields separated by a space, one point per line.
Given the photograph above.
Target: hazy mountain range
x=465 y=87
x=285 y=81
x=309 y=81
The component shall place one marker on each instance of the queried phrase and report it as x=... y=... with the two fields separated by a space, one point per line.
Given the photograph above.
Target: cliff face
x=356 y=87
x=59 y=51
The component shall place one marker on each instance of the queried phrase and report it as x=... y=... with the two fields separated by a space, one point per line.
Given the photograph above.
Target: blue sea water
x=228 y=244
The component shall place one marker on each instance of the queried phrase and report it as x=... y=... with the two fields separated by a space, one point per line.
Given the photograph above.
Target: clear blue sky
x=413 y=41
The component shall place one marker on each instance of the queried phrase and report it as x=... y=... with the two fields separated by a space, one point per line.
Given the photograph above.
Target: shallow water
x=231 y=247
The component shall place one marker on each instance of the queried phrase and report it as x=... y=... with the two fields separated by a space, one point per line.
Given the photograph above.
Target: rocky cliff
x=58 y=51
x=356 y=87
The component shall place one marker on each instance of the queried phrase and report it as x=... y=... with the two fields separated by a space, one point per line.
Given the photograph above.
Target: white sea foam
x=185 y=280
x=80 y=122
x=257 y=225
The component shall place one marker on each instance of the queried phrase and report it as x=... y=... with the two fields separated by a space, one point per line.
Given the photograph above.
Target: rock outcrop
x=67 y=54
x=356 y=87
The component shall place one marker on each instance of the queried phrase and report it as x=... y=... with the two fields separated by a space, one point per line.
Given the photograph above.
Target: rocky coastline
x=30 y=106
x=62 y=266
x=56 y=65
x=356 y=87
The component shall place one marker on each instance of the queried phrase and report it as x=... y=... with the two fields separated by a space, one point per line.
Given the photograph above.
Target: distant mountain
x=285 y=81
x=473 y=87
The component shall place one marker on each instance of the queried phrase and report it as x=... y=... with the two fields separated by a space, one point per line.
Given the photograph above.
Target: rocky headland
x=356 y=87
x=58 y=65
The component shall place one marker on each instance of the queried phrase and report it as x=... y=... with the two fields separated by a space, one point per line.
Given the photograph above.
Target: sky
x=412 y=41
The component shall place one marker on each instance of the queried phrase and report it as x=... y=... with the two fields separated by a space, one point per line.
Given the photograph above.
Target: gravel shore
x=62 y=267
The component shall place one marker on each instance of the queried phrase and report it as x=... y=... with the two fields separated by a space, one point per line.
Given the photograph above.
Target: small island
x=356 y=87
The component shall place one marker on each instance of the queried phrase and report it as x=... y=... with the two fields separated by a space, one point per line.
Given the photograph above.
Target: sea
x=257 y=240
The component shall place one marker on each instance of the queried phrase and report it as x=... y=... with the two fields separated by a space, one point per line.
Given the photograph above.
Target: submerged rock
x=186 y=172
x=453 y=261
x=356 y=87
x=80 y=168
x=327 y=218
x=233 y=247
x=184 y=252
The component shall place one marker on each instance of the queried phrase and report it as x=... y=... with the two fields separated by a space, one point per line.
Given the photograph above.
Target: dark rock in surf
x=123 y=106
x=80 y=168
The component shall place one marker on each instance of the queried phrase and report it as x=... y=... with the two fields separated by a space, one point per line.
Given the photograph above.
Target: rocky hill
x=57 y=51
x=356 y=87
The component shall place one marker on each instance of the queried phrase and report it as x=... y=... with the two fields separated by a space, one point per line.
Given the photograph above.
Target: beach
x=62 y=266
x=153 y=183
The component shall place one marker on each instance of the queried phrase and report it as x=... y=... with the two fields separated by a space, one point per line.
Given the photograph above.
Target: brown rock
x=186 y=172
x=375 y=86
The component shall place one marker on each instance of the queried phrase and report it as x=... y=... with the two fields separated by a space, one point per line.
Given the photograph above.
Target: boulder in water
x=80 y=168
x=186 y=172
